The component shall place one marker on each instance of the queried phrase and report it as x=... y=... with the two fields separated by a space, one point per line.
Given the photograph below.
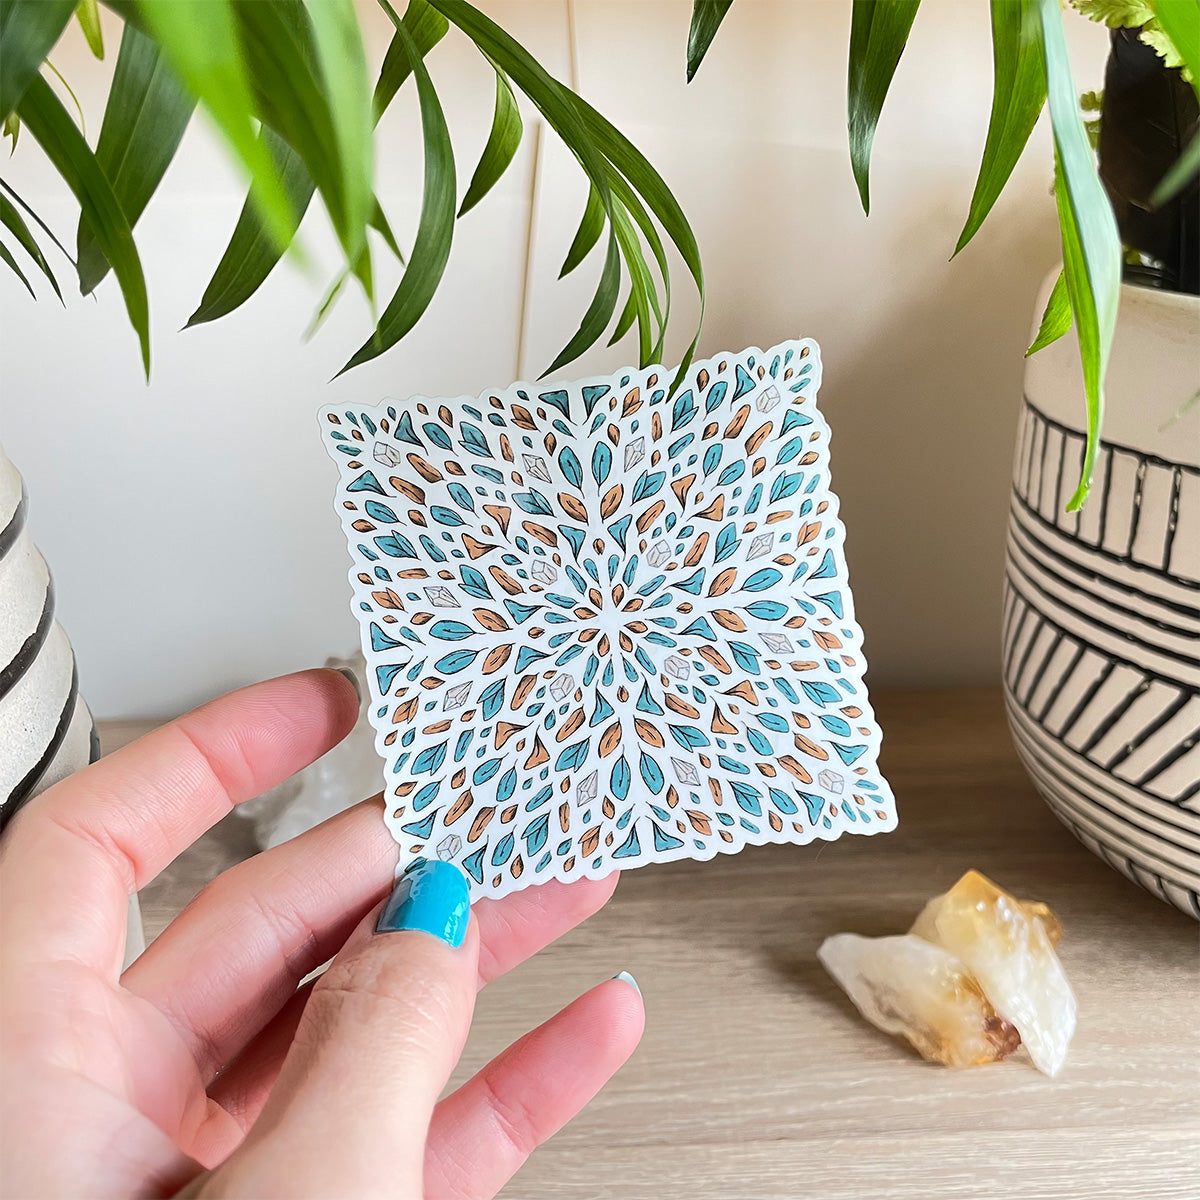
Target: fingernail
x=431 y=897
x=625 y=977
x=350 y=675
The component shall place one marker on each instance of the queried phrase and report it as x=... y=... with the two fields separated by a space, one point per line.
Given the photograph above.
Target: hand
x=205 y=1066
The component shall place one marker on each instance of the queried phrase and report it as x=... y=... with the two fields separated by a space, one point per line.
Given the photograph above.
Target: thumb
x=379 y=1037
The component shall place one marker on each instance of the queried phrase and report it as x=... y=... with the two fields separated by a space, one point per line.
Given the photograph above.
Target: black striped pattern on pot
x=1101 y=651
x=46 y=731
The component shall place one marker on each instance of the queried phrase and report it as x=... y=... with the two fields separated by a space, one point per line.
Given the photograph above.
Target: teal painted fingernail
x=625 y=977
x=350 y=675
x=431 y=897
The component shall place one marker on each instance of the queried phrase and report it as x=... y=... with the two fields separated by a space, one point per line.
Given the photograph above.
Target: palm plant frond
x=287 y=84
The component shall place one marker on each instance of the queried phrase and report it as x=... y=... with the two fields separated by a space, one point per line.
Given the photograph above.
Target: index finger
x=74 y=853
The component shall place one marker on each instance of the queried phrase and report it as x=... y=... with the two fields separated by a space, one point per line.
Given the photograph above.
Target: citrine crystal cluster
x=976 y=977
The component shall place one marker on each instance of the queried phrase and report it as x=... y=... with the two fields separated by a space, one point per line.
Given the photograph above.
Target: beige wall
x=189 y=522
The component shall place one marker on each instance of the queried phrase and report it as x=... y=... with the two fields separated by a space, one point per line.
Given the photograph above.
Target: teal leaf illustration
x=574 y=756
x=648 y=484
x=782 y=801
x=745 y=656
x=536 y=833
x=761 y=580
x=571 y=469
x=748 y=798
x=786 y=485
x=380 y=640
x=386 y=676
x=534 y=502
x=771 y=721
x=601 y=462
x=451 y=631
x=663 y=840
x=767 y=610
x=727 y=542
x=630 y=847
x=688 y=736
x=396 y=545
x=380 y=512
x=426 y=796
x=620 y=778
x=821 y=693
x=451 y=664
x=651 y=773
x=473 y=439
x=683 y=410
x=461 y=496
x=491 y=700
x=429 y=759
x=507 y=786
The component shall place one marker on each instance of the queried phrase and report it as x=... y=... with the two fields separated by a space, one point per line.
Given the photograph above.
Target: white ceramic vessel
x=1101 y=641
x=46 y=731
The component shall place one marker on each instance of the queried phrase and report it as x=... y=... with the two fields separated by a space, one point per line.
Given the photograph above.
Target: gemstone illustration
x=450 y=847
x=441 y=597
x=831 y=781
x=386 y=454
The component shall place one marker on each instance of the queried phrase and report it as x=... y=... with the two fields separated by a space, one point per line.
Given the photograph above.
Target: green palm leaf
x=15 y=224
x=282 y=64
x=558 y=105
x=147 y=112
x=343 y=70
x=426 y=26
x=28 y=31
x=591 y=226
x=707 y=16
x=435 y=230
x=200 y=39
x=51 y=126
x=599 y=312
x=1056 y=319
x=9 y=190
x=88 y=16
x=661 y=202
x=15 y=267
x=1091 y=243
x=251 y=254
x=1018 y=96
x=1180 y=20
x=878 y=34
x=502 y=143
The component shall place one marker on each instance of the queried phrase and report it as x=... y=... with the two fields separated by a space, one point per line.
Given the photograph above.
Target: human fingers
x=373 y=1049
x=482 y=1133
x=73 y=854
x=232 y=958
x=511 y=930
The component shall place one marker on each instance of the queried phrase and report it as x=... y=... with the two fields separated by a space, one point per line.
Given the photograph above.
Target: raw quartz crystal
x=975 y=977
x=906 y=985
x=1008 y=945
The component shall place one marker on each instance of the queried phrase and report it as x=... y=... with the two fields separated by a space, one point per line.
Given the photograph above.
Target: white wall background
x=189 y=522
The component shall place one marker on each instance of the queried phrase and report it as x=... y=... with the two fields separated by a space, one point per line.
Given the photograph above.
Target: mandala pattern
x=608 y=626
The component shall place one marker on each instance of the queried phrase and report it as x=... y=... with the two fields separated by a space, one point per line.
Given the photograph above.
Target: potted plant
x=1102 y=593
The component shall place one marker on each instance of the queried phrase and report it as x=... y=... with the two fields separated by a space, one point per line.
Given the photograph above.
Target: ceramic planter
x=1101 y=626
x=46 y=731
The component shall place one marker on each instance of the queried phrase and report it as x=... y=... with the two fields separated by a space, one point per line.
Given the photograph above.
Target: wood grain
x=756 y=1079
